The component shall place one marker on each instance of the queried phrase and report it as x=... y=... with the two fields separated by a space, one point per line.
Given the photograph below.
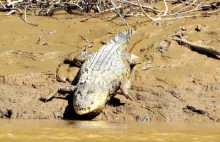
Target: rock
x=164 y=45
x=198 y=28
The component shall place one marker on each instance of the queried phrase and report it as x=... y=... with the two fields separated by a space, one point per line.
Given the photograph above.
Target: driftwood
x=197 y=47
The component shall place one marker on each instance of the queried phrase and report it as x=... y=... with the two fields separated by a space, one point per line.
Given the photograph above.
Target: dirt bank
x=175 y=85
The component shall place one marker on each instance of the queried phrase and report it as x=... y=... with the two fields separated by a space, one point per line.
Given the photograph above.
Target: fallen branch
x=200 y=48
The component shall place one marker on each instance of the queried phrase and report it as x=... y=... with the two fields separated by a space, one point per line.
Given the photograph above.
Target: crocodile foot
x=125 y=85
x=49 y=97
x=67 y=88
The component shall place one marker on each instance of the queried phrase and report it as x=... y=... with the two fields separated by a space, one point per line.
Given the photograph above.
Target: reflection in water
x=46 y=130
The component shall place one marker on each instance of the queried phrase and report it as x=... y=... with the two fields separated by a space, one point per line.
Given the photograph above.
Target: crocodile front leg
x=131 y=58
x=69 y=88
x=124 y=87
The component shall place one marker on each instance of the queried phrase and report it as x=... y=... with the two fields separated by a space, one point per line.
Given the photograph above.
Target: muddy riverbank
x=176 y=84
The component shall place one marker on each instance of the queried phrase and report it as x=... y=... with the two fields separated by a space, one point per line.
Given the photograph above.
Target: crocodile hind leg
x=80 y=58
x=69 y=88
x=67 y=72
x=124 y=87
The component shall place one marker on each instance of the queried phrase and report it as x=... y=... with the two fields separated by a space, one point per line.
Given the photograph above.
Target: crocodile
x=102 y=74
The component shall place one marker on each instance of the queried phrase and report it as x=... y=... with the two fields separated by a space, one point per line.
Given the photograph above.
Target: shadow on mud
x=70 y=114
x=115 y=102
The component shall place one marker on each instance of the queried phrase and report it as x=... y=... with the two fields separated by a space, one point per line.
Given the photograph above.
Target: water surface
x=54 y=131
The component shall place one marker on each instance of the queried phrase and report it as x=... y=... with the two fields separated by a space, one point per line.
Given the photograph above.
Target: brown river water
x=53 y=131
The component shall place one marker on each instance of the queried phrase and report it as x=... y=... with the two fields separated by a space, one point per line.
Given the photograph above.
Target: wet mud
x=173 y=82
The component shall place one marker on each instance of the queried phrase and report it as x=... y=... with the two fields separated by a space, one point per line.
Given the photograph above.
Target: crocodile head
x=89 y=98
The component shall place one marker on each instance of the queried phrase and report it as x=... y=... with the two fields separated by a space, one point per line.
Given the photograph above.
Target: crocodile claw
x=128 y=96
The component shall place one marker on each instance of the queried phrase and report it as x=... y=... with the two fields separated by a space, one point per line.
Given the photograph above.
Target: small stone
x=183 y=28
x=45 y=44
x=180 y=14
x=34 y=86
x=164 y=45
x=198 y=28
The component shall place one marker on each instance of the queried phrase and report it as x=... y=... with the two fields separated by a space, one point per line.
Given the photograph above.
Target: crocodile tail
x=122 y=37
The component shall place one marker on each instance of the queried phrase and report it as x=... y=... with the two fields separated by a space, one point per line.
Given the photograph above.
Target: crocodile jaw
x=87 y=110
x=92 y=105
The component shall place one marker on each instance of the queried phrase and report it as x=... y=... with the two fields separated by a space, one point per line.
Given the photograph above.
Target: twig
x=119 y=13
x=143 y=6
x=153 y=19
x=39 y=39
x=186 y=7
x=166 y=8
x=189 y=16
x=87 y=41
x=2 y=4
x=176 y=7
x=110 y=9
x=192 y=10
x=25 y=17
x=72 y=4
x=197 y=47
x=9 y=9
x=11 y=12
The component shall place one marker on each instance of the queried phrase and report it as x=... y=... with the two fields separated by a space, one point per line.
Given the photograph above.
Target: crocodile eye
x=90 y=92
